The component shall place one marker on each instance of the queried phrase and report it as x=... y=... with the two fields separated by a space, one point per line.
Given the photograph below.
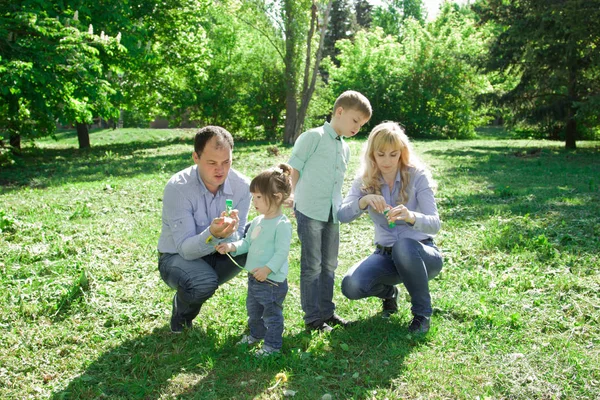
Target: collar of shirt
x=225 y=188
x=331 y=132
x=398 y=178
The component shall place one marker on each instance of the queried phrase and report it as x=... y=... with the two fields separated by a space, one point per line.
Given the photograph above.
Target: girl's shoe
x=249 y=340
x=266 y=351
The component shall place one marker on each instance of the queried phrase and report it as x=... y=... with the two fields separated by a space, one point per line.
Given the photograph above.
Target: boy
x=319 y=161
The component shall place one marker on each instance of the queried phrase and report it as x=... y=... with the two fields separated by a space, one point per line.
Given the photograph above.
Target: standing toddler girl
x=267 y=243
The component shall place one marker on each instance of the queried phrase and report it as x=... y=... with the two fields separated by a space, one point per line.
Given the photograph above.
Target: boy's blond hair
x=353 y=100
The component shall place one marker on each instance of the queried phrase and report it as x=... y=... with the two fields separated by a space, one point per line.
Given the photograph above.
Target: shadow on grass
x=46 y=167
x=555 y=190
x=347 y=363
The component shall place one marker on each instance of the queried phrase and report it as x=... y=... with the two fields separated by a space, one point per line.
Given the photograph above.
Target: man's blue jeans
x=196 y=280
x=264 y=305
x=411 y=262
x=318 y=262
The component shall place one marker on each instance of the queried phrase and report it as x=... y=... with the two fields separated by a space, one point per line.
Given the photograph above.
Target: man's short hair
x=208 y=132
x=353 y=100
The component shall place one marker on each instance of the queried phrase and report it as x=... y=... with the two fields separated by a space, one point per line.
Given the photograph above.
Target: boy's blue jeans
x=411 y=262
x=318 y=262
x=264 y=304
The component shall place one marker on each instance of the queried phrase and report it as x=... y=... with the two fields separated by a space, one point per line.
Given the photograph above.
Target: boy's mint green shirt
x=321 y=157
x=267 y=243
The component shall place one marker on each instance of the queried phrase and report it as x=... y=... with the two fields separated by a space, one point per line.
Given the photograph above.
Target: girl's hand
x=260 y=274
x=401 y=213
x=223 y=248
x=375 y=201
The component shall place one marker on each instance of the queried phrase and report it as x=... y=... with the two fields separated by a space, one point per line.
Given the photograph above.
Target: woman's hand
x=401 y=213
x=375 y=201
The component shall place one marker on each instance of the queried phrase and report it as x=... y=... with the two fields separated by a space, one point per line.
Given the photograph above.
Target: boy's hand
x=401 y=213
x=375 y=201
x=289 y=202
x=223 y=248
x=224 y=225
x=260 y=274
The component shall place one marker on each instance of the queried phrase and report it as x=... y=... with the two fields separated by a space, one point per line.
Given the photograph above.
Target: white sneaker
x=266 y=351
x=249 y=340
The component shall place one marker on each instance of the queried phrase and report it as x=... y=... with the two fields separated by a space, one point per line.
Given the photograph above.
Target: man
x=194 y=221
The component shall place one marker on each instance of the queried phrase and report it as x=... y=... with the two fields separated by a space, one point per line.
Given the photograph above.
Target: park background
x=499 y=97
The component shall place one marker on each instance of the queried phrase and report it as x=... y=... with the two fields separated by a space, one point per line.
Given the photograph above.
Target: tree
x=50 y=69
x=294 y=13
x=392 y=15
x=340 y=27
x=552 y=46
x=74 y=60
x=363 y=10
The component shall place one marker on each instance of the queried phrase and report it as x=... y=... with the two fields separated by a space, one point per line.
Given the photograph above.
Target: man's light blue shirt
x=421 y=202
x=321 y=157
x=189 y=208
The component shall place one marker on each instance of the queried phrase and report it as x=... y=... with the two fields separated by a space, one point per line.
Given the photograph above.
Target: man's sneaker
x=319 y=326
x=178 y=324
x=266 y=351
x=419 y=324
x=336 y=320
x=249 y=340
x=390 y=306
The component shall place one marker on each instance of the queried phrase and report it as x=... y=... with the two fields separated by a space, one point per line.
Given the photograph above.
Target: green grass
x=84 y=313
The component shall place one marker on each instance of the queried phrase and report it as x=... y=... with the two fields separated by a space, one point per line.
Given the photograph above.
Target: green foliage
x=52 y=68
x=425 y=82
x=393 y=15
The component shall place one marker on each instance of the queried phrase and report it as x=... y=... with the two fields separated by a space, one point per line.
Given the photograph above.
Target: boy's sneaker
x=319 y=326
x=390 y=306
x=266 y=351
x=336 y=320
x=419 y=324
x=249 y=340
x=178 y=324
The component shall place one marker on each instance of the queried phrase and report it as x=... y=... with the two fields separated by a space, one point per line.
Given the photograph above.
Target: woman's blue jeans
x=411 y=262
x=264 y=305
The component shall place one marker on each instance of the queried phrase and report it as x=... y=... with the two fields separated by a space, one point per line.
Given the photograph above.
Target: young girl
x=267 y=243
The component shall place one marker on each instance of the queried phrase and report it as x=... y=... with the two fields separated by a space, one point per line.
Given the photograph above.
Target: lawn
x=84 y=313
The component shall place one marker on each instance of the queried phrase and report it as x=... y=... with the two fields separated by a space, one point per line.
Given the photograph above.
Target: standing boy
x=319 y=161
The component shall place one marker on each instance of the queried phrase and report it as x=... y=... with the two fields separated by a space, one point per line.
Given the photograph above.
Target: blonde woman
x=396 y=189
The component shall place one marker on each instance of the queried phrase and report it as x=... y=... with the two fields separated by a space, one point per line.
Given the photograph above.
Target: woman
x=397 y=191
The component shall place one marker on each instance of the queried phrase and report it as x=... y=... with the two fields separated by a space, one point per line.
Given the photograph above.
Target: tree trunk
x=571 y=134
x=83 y=135
x=290 y=73
x=309 y=89
x=294 y=120
x=15 y=142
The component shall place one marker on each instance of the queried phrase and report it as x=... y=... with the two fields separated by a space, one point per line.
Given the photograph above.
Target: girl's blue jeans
x=264 y=305
x=410 y=262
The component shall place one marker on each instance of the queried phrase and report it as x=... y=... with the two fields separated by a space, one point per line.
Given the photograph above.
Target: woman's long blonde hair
x=388 y=135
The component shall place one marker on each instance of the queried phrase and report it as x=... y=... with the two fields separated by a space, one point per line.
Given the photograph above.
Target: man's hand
x=223 y=248
x=224 y=225
x=260 y=274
